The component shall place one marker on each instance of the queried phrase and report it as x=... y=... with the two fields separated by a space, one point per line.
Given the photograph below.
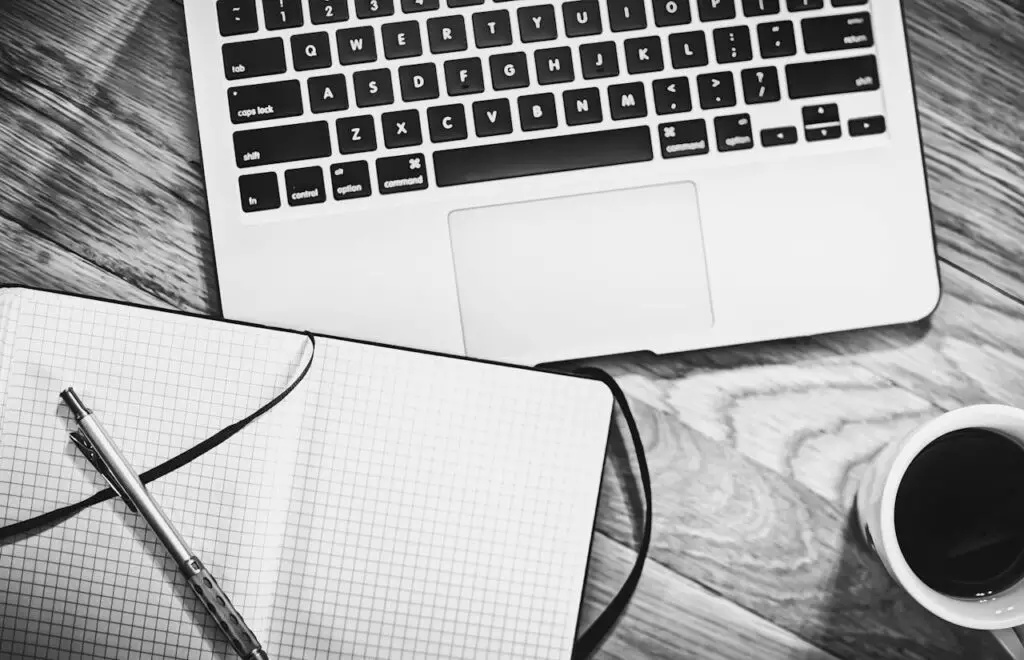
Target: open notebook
x=395 y=505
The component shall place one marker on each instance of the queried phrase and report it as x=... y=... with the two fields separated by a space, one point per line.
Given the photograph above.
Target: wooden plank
x=771 y=545
x=33 y=261
x=968 y=62
x=672 y=617
x=116 y=177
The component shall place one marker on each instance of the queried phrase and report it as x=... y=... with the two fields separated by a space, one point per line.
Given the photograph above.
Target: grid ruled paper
x=397 y=505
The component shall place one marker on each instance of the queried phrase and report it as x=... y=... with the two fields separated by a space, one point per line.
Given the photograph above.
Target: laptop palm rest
x=591 y=274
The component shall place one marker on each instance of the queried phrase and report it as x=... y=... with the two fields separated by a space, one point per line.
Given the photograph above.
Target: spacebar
x=506 y=160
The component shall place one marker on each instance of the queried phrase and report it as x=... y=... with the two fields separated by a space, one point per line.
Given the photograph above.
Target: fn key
x=259 y=192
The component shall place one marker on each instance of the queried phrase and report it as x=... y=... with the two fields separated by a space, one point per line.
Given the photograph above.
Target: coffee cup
x=943 y=509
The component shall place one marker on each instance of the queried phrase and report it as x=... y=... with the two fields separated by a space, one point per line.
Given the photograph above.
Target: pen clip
x=84 y=445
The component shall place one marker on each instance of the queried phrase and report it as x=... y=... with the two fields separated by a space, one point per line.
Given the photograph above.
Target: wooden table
x=755 y=451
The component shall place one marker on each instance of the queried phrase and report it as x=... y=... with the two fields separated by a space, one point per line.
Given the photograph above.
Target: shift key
x=826 y=77
x=282 y=144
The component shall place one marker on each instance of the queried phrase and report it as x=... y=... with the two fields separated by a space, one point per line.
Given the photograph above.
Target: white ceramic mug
x=1003 y=613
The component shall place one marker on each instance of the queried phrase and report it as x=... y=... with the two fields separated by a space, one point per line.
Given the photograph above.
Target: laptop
x=535 y=181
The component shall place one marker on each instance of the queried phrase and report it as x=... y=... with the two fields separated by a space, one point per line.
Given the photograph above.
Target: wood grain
x=755 y=451
x=673 y=617
x=968 y=64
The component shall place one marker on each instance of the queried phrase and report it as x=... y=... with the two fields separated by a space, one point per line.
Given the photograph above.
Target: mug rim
x=937 y=602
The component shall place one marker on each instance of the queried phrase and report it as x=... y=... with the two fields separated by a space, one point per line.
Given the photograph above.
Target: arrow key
x=774 y=137
x=672 y=95
x=350 y=180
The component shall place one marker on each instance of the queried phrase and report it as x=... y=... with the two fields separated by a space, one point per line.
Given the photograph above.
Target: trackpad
x=585 y=275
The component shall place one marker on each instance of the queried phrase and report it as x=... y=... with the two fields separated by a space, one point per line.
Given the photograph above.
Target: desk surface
x=755 y=451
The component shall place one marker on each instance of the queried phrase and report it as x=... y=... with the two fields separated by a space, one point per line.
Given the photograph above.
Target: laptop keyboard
x=396 y=96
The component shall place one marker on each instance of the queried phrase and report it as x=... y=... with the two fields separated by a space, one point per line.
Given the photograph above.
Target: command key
x=401 y=173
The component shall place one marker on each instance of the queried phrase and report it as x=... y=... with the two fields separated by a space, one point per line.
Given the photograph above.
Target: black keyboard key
x=848 y=3
x=401 y=173
x=311 y=51
x=775 y=137
x=418 y=82
x=356 y=134
x=328 y=93
x=537 y=112
x=328 y=11
x=554 y=65
x=237 y=17
x=305 y=186
x=401 y=40
x=760 y=7
x=447 y=123
x=248 y=59
x=537 y=23
x=357 y=45
x=671 y=12
x=804 y=5
x=464 y=76
x=492 y=117
x=464 y=3
x=867 y=126
x=599 y=60
x=268 y=101
x=624 y=15
x=855 y=74
x=281 y=14
x=683 y=138
x=282 y=144
x=828 y=33
x=374 y=8
x=401 y=129
x=373 y=87
x=446 y=34
x=688 y=49
x=563 y=153
x=732 y=44
x=350 y=180
x=413 y=6
x=761 y=85
x=734 y=133
x=716 y=90
x=827 y=113
x=672 y=95
x=582 y=18
x=776 y=39
x=492 y=29
x=627 y=101
x=643 y=55
x=582 y=106
x=509 y=71
x=259 y=192
x=716 y=10
x=826 y=132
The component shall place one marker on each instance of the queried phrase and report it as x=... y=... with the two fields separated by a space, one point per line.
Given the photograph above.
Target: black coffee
x=960 y=514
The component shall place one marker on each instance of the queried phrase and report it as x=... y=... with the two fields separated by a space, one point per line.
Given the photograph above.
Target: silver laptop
x=537 y=181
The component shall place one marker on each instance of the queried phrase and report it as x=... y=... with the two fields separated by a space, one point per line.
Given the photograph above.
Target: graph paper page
x=441 y=509
x=411 y=506
x=100 y=585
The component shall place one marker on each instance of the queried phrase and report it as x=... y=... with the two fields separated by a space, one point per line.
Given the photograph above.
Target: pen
x=101 y=451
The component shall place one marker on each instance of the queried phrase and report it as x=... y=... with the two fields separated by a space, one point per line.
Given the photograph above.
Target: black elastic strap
x=47 y=520
x=603 y=624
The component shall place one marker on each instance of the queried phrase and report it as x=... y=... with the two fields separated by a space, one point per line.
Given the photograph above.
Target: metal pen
x=95 y=443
